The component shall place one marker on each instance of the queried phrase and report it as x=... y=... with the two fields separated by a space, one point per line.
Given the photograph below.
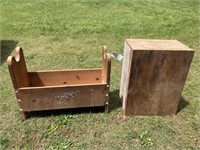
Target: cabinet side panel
x=125 y=74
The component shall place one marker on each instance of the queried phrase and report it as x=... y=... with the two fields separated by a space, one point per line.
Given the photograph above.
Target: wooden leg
x=25 y=114
x=106 y=109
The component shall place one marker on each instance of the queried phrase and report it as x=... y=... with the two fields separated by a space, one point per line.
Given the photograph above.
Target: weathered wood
x=70 y=77
x=106 y=65
x=25 y=114
x=104 y=74
x=125 y=75
x=18 y=70
x=33 y=99
x=160 y=45
x=106 y=68
x=47 y=90
x=153 y=76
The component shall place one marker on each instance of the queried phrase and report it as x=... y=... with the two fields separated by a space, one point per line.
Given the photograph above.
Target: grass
x=67 y=35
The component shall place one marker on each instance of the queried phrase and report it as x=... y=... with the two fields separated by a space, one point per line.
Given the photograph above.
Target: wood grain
x=69 y=77
x=153 y=44
x=156 y=79
x=125 y=74
x=106 y=68
x=32 y=99
x=106 y=65
x=45 y=90
x=18 y=70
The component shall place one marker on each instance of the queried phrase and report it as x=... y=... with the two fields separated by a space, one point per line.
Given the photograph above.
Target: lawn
x=68 y=34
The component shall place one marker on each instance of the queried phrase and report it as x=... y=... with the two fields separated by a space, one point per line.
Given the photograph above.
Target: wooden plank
x=156 y=78
x=75 y=85
x=32 y=99
x=18 y=70
x=153 y=44
x=72 y=77
x=106 y=69
x=106 y=65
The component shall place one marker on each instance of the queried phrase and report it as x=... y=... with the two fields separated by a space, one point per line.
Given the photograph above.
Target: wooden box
x=153 y=76
x=46 y=90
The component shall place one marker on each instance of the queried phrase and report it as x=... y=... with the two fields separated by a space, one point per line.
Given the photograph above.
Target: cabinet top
x=154 y=44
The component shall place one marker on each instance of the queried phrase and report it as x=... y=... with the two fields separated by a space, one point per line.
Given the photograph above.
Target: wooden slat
x=155 y=79
x=106 y=68
x=53 y=78
x=18 y=70
x=106 y=65
x=73 y=85
x=32 y=99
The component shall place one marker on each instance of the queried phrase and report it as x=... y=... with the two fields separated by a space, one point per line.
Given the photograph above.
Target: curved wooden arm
x=106 y=65
x=18 y=70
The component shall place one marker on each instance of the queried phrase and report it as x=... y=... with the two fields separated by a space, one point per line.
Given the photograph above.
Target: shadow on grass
x=182 y=104
x=7 y=46
x=70 y=111
x=114 y=102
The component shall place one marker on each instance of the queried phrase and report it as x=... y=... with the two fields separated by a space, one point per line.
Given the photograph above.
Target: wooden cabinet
x=153 y=76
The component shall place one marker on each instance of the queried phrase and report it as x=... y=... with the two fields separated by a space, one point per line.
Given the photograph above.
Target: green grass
x=68 y=34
